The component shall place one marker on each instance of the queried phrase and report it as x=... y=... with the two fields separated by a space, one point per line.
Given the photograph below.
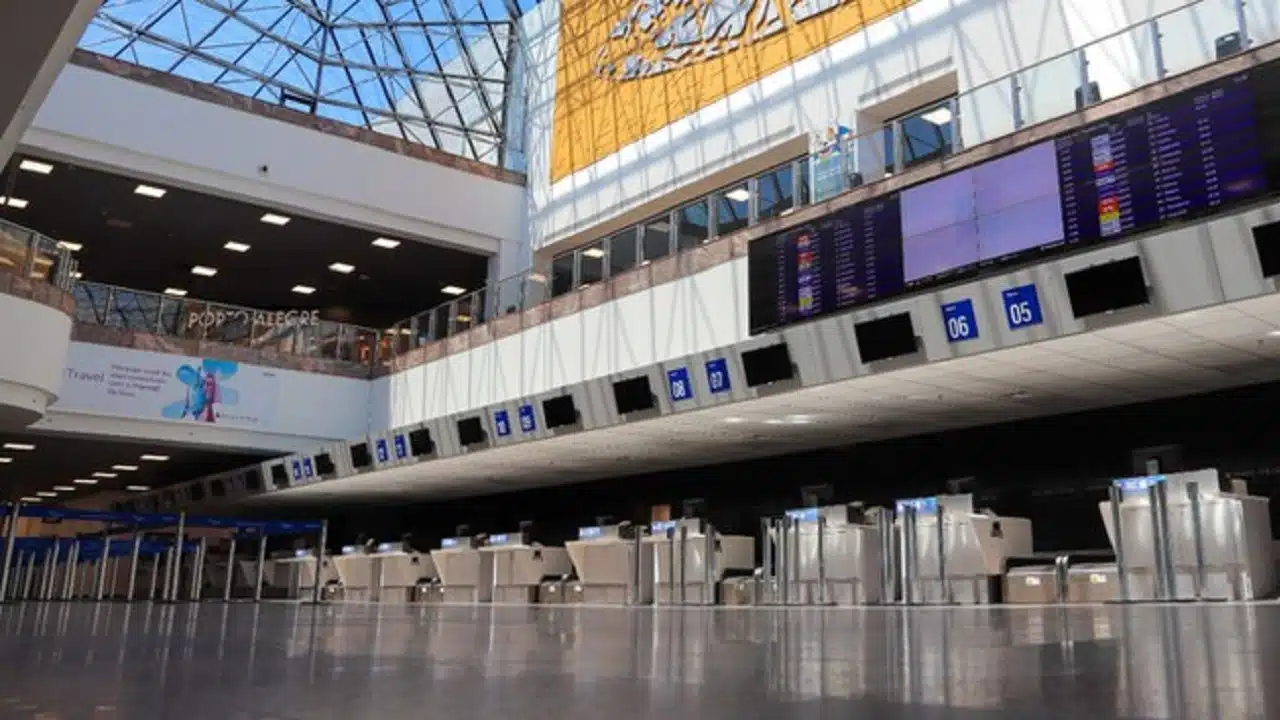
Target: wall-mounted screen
x=1191 y=154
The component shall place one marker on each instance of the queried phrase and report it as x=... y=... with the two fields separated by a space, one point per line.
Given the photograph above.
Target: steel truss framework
x=434 y=72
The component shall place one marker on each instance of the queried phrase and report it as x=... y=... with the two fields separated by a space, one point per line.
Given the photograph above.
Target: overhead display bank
x=1189 y=155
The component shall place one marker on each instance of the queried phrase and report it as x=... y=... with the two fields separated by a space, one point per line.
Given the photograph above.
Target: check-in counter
x=950 y=553
x=296 y=572
x=355 y=569
x=691 y=559
x=614 y=566
x=830 y=555
x=1180 y=536
x=466 y=574
x=400 y=570
x=520 y=565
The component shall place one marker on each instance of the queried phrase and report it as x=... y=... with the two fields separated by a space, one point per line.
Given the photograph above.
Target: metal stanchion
x=73 y=569
x=162 y=582
x=636 y=571
x=1117 y=523
x=1197 y=538
x=944 y=580
x=262 y=563
x=708 y=566
x=908 y=530
x=888 y=562
x=175 y=570
x=684 y=549
x=133 y=565
x=155 y=576
x=55 y=552
x=1159 y=586
x=100 y=584
x=671 y=565
x=324 y=540
x=10 y=541
x=784 y=559
x=821 y=547
x=197 y=570
x=23 y=580
x=1166 y=541
x=231 y=570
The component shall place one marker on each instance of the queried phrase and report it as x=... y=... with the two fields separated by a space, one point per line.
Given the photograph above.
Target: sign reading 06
x=630 y=67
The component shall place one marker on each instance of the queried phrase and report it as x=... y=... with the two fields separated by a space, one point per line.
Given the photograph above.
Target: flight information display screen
x=1188 y=155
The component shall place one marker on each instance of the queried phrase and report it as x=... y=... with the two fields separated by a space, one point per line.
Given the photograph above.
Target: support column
x=36 y=38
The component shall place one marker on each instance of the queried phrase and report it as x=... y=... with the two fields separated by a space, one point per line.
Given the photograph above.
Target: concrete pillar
x=36 y=38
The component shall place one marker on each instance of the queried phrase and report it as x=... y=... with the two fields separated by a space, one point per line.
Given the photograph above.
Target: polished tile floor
x=290 y=662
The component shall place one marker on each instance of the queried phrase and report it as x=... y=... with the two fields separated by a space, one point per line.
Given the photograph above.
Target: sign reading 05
x=628 y=68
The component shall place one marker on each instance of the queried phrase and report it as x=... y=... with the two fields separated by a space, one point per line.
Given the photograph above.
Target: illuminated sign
x=590 y=533
x=628 y=68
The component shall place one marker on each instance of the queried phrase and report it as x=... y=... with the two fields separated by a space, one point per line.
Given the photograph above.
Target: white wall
x=112 y=382
x=36 y=338
x=99 y=119
x=689 y=315
x=969 y=42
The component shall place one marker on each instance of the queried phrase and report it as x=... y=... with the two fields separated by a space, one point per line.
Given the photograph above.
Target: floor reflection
x=363 y=661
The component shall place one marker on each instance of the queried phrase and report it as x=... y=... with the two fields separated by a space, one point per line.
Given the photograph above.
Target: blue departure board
x=1194 y=153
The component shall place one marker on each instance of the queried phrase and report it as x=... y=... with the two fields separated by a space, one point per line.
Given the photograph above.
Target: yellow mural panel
x=630 y=67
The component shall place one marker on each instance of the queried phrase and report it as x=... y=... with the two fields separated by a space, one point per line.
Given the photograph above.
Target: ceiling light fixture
x=452 y=290
x=64 y=488
x=137 y=488
x=35 y=166
x=154 y=458
x=303 y=289
x=739 y=194
x=594 y=253
x=70 y=246
x=105 y=475
x=5 y=460
x=277 y=220
x=126 y=468
x=47 y=494
x=150 y=191
x=85 y=481
x=30 y=499
x=234 y=246
x=343 y=268
x=15 y=203
x=938 y=116
x=176 y=292
x=204 y=271
x=1274 y=333
x=463 y=318
x=386 y=243
x=77 y=275
x=735 y=420
x=19 y=446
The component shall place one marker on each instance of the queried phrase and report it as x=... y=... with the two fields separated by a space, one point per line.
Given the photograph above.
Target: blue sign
x=590 y=533
x=661 y=526
x=528 y=421
x=678 y=381
x=306 y=466
x=499 y=539
x=718 y=376
x=401 y=449
x=381 y=446
x=1022 y=307
x=389 y=547
x=297 y=470
x=804 y=515
x=959 y=320
x=449 y=543
x=1138 y=484
x=350 y=549
x=502 y=423
x=921 y=505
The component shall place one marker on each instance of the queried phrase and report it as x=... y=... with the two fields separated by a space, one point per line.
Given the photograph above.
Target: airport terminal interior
x=640 y=358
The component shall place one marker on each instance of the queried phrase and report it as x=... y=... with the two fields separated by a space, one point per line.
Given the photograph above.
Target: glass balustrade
x=28 y=254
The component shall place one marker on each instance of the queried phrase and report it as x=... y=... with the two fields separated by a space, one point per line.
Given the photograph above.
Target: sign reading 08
x=628 y=68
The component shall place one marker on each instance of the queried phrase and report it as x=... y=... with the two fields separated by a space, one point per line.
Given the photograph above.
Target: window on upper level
x=733 y=208
x=920 y=136
x=693 y=226
x=775 y=192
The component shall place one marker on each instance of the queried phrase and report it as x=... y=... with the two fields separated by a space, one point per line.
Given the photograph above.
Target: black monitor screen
x=470 y=432
x=360 y=455
x=767 y=365
x=324 y=465
x=420 y=442
x=560 y=411
x=253 y=481
x=217 y=488
x=633 y=395
x=279 y=476
x=885 y=338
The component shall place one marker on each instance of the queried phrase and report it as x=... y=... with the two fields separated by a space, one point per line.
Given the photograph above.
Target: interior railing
x=28 y=254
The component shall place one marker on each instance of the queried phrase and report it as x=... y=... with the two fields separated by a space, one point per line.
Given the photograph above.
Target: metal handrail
x=27 y=253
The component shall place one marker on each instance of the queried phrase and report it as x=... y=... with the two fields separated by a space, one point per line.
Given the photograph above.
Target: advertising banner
x=155 y=386
x=628 y=68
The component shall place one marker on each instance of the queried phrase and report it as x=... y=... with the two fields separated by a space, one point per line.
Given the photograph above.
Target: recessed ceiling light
x=594 y=253
x=77 y=275
x=303 y=289
x=30 y=499
x=106 y=475
x=15 y=203
x=463 y=318
x=1274 y=333
x=273 y=219
x=71 y=246
x=735 y=420
x=64 y=488
x=5 y=460
x=46 y=493
x=176 y=292
x=739 y=194
x=342 y=268
x=154 y=458
x=452 y=290
x=137 y=488
x=234 y=246
x=938 y=116
x=126 y=468
x=85 y=481
x=19 y=446
x=799 y=419
x=204 y=271
x=150 y=191
x=386 y=243
x=35 y=166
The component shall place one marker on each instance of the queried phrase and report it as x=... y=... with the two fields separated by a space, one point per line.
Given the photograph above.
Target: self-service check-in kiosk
x=466 y=574
x=1181 y=537
x=691 y=559
x=400 y=571
x=295 y=571
x=833 y=555
x=613 y=564
x=950 y=553
x=355 y=569
x=520 y=565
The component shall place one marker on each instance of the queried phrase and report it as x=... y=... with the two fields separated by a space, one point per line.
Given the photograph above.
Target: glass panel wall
x=693 y=226
x=775 y=193
x=591 y=263
x=623 y=251
x=733 y=209
x=919 y=136
x=561 y=275
x=656 y=238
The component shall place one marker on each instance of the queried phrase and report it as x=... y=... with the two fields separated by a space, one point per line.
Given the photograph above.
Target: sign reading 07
x=630 y=67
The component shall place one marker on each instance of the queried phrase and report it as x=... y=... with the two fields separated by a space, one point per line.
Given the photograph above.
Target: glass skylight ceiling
x=433 y=72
